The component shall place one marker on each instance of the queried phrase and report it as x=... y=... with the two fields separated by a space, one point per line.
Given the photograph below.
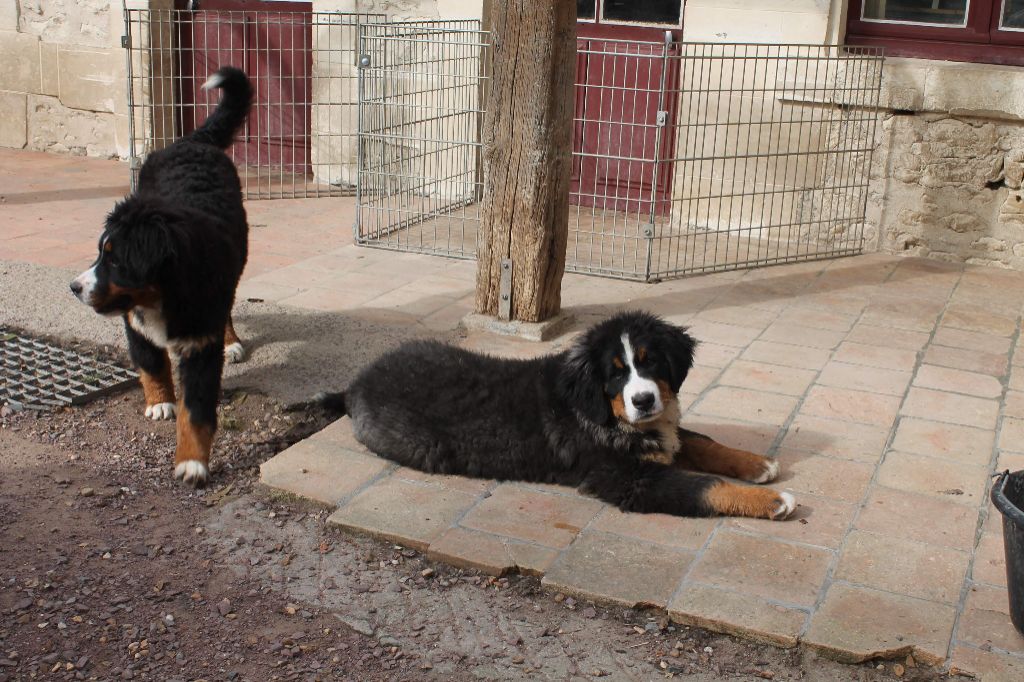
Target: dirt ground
x=110 y=570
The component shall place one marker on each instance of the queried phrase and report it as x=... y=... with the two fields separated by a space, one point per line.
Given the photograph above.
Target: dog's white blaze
x=88 y=282
x=637 y=385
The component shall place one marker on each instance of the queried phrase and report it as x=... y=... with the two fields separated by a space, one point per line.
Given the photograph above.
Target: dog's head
x=627 y=368
x=135 y=251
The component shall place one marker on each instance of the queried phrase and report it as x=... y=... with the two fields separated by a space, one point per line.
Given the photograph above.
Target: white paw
x=785 y=508
x=770 y=473
x=192 y=472
x=160 y=411
x=234 y=352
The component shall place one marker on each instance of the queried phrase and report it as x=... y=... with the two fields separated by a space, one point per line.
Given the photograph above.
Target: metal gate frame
x=156 y=62
x=766 y=157
x=420 y=116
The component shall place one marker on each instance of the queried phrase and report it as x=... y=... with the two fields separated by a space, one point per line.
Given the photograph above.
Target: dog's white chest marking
x=150 y=323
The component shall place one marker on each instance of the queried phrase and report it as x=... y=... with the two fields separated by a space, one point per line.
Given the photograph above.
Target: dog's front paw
x=193 y=472
x=769 y=472
x=234 y=352
x=784 y=506
x=160 y=411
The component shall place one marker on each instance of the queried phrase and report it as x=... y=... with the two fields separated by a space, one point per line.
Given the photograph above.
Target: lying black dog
x=602 y=416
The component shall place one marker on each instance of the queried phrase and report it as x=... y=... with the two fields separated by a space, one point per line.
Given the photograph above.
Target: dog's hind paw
x=786 y=506
x=192 y=472
x=160 y=411
x=234 y=352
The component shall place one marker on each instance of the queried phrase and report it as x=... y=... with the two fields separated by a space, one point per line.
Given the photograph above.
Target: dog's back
x=435 y=407
x=195 y=170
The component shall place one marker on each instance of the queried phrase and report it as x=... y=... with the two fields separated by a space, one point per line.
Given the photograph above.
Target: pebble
x=427 y=572
x=224 y=606
x=86 y=492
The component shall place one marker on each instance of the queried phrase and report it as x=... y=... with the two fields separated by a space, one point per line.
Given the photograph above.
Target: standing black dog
x=602 y=416
x=169 y=262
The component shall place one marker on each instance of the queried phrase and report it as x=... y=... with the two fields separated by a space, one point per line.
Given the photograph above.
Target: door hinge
x=364 y=60
x=126 y=42
x=505 y=290
x=649 y=231
x=662 y=118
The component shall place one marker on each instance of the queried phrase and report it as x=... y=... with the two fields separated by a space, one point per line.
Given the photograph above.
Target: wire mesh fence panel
x=419 y=155
x=619 y=178
x=770 y=153
x=299 y=139
x=687 y=157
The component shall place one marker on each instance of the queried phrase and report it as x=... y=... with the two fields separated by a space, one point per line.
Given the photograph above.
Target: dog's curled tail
x=220 y=128
x=332 y=402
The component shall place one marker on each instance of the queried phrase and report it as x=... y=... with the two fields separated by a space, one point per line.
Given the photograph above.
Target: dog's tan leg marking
x=234 y=351
x=192 y=453
x=159 y=392
x=731 y=499
x=703 y=454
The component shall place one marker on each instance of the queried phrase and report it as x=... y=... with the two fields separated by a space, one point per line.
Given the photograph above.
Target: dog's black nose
x=643 y=401
x=76 y=287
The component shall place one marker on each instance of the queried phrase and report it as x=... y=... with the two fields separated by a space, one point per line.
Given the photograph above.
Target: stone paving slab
x=857 y=624
x=737 y=614
x=620 y=570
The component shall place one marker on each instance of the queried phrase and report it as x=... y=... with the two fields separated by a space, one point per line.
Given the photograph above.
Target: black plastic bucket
x=1008 y=497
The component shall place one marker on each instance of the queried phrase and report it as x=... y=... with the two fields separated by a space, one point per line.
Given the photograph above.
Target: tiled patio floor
x=889 y=388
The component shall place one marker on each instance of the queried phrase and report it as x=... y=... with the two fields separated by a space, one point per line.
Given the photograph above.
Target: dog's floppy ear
x=679 y=350
x=149 y=244
x=581 y=385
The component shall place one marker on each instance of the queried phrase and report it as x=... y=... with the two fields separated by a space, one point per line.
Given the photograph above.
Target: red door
x=274 y=47
x=623 y=81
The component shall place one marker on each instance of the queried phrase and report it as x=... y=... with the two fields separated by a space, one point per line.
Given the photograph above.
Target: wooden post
x=527 y=156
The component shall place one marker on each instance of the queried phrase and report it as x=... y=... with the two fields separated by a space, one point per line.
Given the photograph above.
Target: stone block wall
x=947 y=175
x=62 y=83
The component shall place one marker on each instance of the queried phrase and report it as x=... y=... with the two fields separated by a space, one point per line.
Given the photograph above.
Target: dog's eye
x=113 y=262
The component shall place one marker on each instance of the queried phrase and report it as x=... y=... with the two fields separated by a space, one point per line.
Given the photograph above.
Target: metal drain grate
x=34 y=374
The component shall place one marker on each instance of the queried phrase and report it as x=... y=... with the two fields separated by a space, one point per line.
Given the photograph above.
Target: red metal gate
x=621 y=140
x=275 y=49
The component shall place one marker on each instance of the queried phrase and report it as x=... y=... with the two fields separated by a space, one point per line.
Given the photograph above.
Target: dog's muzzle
x=84 y=285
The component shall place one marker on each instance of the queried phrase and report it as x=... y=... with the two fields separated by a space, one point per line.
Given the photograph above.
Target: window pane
x=585 y=9
x=946 y=12
x=643 y=11
x=1013 y=14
